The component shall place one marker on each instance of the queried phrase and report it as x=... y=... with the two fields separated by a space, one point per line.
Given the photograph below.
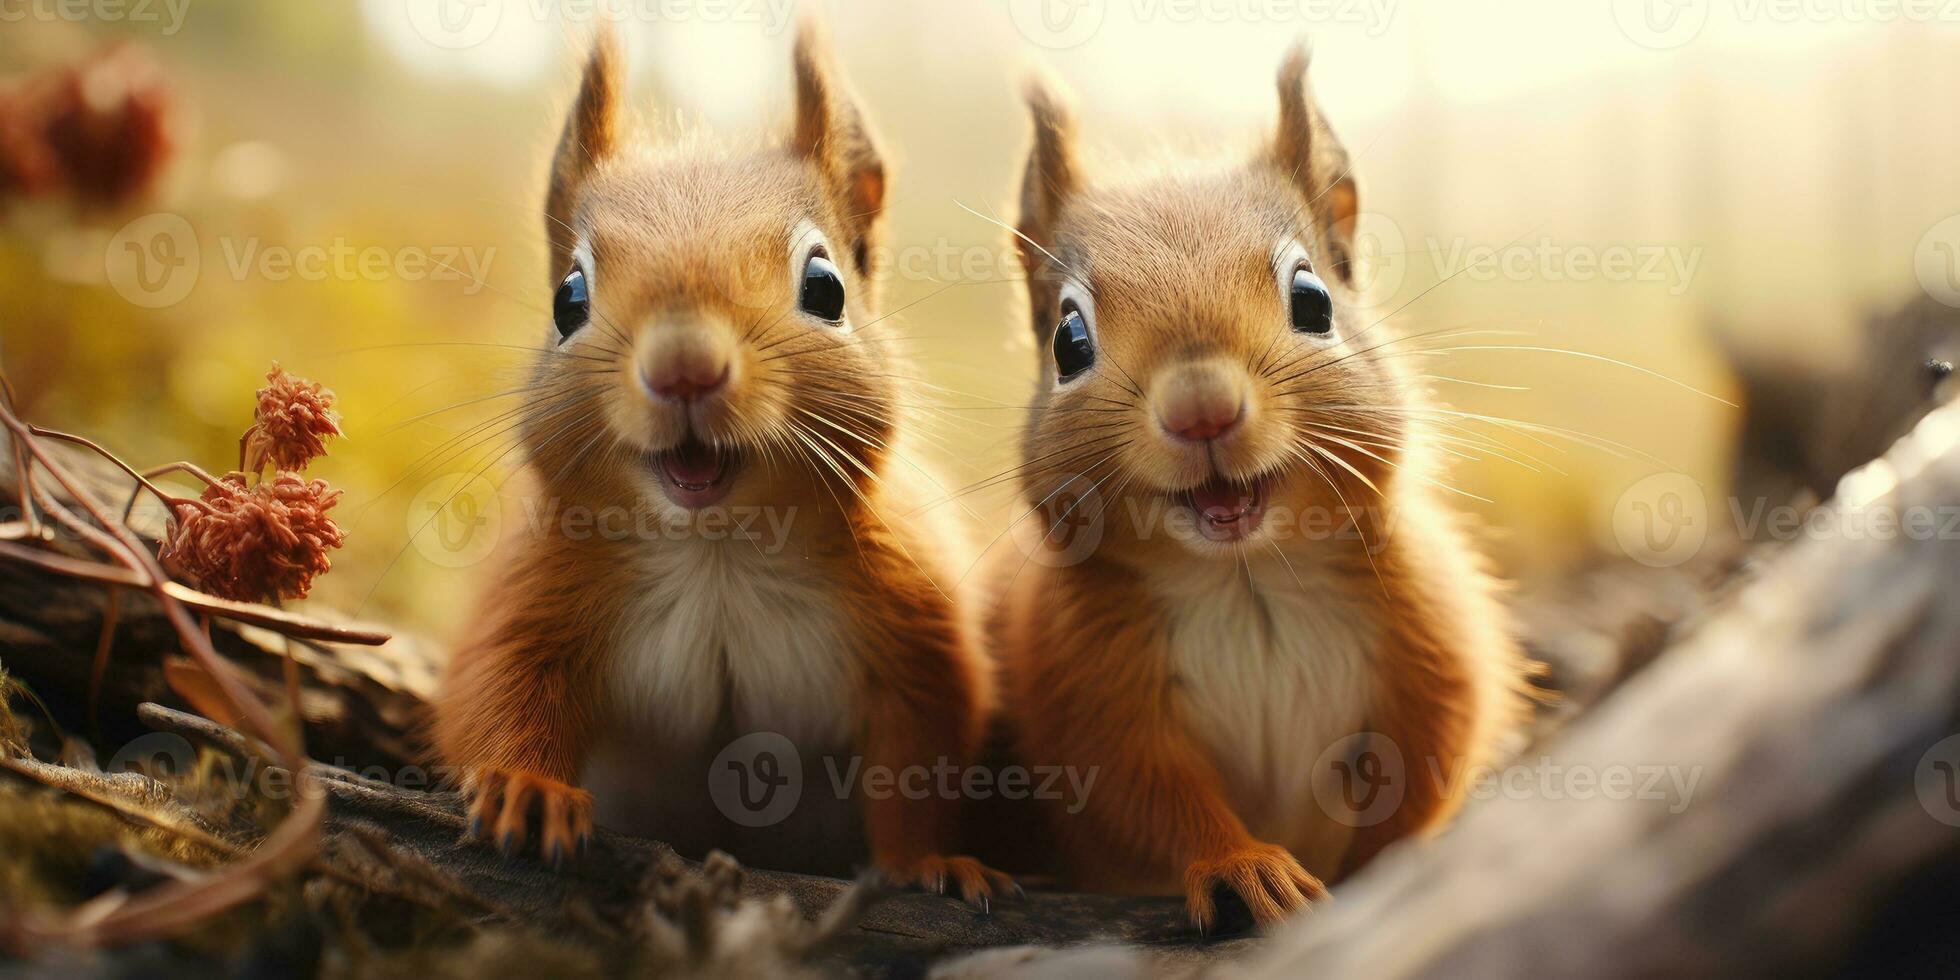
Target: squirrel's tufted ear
x=1052 y=172
x=591 y=134
x=832 y=134
x=1309 y=154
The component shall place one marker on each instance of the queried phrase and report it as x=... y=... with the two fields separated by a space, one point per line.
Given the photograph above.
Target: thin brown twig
x=22 y=466
x=26 y=471
x=291 y=671
x=129 y=506
x=98 y=668
x=47 y=433
x=276 y=620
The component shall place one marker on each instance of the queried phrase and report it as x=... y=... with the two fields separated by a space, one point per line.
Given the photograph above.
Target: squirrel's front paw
x=502 y=803
x=976 y=882
x=1266 y=876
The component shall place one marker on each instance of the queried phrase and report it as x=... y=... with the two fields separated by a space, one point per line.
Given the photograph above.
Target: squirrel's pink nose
x=687 y=379
x=1201 y=419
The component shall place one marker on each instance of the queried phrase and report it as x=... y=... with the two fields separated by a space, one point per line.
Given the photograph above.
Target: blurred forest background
x=1765 y=178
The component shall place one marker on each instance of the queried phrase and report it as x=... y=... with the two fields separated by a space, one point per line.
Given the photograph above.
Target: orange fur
x=659 y=650
x=1203 y=678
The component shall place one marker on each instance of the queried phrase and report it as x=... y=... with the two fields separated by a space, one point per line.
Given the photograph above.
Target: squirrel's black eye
x=573 y=304
x=823 y=289
x=1074 y=352
x=1313 y=308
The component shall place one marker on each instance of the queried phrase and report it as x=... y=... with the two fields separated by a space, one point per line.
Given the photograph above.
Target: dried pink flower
x=254 y=542
x=294 y=420
x=102 y=129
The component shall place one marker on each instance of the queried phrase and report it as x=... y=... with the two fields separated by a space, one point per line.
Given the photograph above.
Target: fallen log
x=1803 y=726
x=1815 y=713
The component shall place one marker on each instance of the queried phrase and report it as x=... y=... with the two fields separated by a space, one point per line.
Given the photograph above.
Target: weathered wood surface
x=364 y=708
x=1823 y=830
x=900 y=935
x=1808 y=707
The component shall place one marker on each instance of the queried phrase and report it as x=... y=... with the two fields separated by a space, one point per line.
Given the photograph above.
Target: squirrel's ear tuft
x=831 y=133
x=1052 y=174
x=591 y=134
x=1308 y=153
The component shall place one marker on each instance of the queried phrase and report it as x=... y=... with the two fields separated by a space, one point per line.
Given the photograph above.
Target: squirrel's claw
x=500 y=805
x=973 y=882
x=1267 y=877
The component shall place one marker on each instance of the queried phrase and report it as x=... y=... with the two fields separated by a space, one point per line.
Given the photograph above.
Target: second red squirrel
x=711 y=352
x=1225 y=661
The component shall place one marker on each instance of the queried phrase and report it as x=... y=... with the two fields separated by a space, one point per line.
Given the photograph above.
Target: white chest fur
x=1273 y=667
x=723 y=628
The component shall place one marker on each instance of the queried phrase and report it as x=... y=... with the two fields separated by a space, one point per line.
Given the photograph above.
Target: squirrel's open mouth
x=695 y=474
x=1228 y=510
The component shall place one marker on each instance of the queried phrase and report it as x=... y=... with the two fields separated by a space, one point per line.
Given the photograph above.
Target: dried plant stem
x=279 y=621
x=111 y=611
x=129 y=506
x=22 y=466
x=291 y=671
x=172 y=907
x=141 y=480
x=26 y=471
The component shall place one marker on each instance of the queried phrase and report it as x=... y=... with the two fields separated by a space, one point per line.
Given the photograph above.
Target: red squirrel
x=713 y=351
x=1204 y=374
